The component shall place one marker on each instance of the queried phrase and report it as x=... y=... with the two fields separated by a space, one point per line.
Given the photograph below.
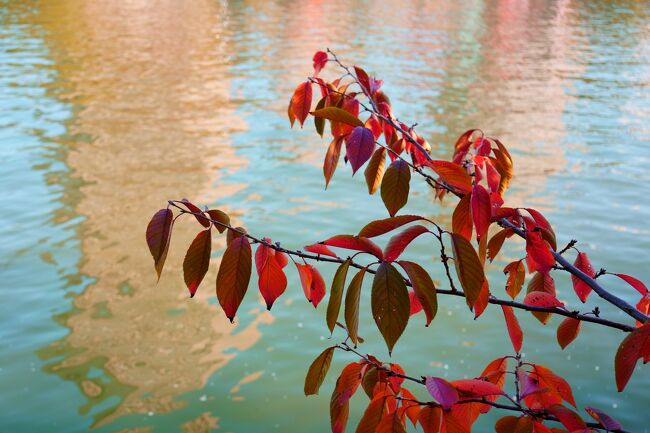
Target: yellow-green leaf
x=317 y=371
x=352 y=306
x=338 y=115
x=336 y=295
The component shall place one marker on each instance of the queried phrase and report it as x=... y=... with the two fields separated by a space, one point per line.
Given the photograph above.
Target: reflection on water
x=114 y=107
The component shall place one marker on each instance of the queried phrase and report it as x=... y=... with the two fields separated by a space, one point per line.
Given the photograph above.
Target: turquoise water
x=111 y=108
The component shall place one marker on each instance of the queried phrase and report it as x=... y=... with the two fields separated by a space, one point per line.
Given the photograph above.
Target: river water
x=111 y=108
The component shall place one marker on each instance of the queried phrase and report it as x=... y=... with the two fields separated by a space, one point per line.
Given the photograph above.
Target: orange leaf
x=336 y=114
x=430 y=419
x=481 y=210
x=516 y=276
x=375 y=170
x=468 y=267
x=301 y=102
x=461 y=220
x=352 y=305
x=541 y=299
x=453 y=175
x=514 y=330
x=332 y=159
x=496 y=242
x=568 y=331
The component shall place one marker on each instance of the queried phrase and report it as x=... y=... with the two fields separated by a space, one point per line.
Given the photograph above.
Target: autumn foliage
x=357 y=115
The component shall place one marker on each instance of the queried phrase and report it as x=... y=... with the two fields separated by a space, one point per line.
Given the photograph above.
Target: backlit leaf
x=332 y=159
x=539 y=256
x=336 y=295
x=496 y=242
x=272 y=281
x=476 y=388
x=581 y=288
x=219 y=216
x=319 y=122
x=159 y=232
x=568 y=418
x=400 y=241
x=481 y=210
x=301 y=102
x=390 y=303
x=468 y=267
x=636 y=345
x=638 y=285
x=430 y=419
x=375 y=170
x=197 y=260
x=395 y=186
x=320 y=60
x=320 y=249
x=424 y=289
x=541 y=299
x=317 y=371
x=516 y=276
x=356 y=243
x=453 y=175
x=359 y=146
x=514 y=330
x=461 y=220
x=234 y=275
x=568 y=331
x=380 y=227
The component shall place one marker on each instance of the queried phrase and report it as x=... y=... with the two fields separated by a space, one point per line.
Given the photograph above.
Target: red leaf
x=304 y=271
x=461 y=220
x=320 y=60
x=301 y=102
x=539 y=254
x=234 y=275
x=416 y=306
x=605 y=420
x=476 y=388
x=483 y=299
x=568 y=331
x=272 y=282
x=430 y=419
x=567 y=417
x=542 y=282
x=541 y=299
x=312 y=283
x=159 y=231
x=346 y=386
x=514 y=330
x=443 y=391
x=453 y=175
x=543 y=223
x=320 y=249
x=379 y=227
x=197 y=261
x=359 y=146
x=634 y=283
x=395 y=186
x=356 y=243
x=556 y=384
x=581 y=288
x=198 y=213
x=636 y=345
x=481 y=210
x=399 y=242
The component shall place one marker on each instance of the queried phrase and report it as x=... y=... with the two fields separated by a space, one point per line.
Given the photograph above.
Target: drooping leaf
x=581 y=288
x=568 y=331
x=352 y=306
x=637 y=284
x=317 y=371
x=317 y=286
x=424 y=289
x=197 y=260
x=346 y=385
x=514 y=330
x=336 y=295
x=319 y=122
x=461 y=220
x=481 y=210
x=604 y=419
x=356 y=243
x=359 y=146
x=372 y=415
x=304 y=272
x=219 y=216
x=375 y=170
x=332 y=159
x=234 y=233
x=400 y=241
x=496 y=242
x=453 y=175
x=159 y=231
x=391 y=423
x=442 y=391
x=542 y=282
x=504 y=166
x=272 y=281
x=516 y=276
x=539 y=256
x=390 y=303
x=380 y=227
x=430 y=419
x=234 y=275
x=320 y=60
x=395 y=186
x=506 y=424
x=483 y=299
x=568 y=418
x=556 y=384
x=541 y=299
x=336 y=114
x=301 y=102
x=546 y=227
x=468 y=267
x=635 y=345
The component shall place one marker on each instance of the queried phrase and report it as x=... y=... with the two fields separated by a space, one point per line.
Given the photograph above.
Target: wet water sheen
x=111 y=108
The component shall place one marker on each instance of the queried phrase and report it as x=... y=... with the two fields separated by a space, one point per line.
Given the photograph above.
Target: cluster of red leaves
x=478 y=174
